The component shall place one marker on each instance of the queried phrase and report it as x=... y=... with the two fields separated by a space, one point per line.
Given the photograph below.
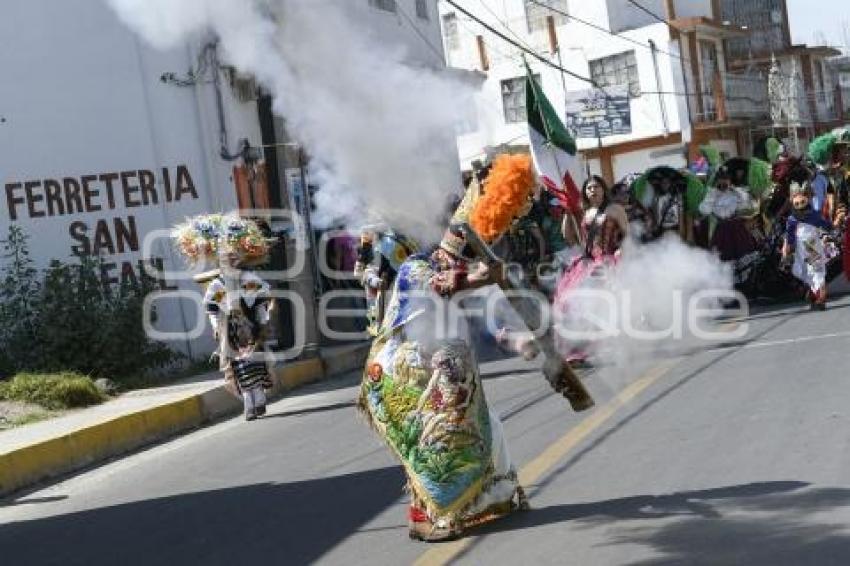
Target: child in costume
x=379 y=257
x=236 y=300
x=805 y=243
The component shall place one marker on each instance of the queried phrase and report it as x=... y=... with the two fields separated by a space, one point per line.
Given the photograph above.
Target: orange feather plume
x=506 y=192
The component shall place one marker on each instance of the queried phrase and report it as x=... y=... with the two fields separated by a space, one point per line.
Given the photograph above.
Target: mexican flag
x=552 y=147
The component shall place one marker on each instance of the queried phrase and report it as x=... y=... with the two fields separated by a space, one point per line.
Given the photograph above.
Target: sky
x=809 y=17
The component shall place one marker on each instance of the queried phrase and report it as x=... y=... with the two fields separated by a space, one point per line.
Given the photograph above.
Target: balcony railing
x=745 y=96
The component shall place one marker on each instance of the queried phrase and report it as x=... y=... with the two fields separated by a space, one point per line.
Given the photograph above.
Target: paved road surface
x=732 y=453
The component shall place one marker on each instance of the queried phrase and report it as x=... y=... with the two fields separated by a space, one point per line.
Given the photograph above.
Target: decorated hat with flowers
x=201 y=238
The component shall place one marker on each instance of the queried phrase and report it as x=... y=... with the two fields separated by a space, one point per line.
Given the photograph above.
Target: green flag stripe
x=543 y=118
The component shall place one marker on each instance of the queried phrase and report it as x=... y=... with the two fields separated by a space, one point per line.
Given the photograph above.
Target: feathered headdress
x=773 y=149
x=711 y=154
x=507 y=193
x=758 y=176
x=820 y=150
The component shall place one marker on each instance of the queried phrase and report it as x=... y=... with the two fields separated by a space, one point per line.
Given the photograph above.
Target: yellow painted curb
x=30 y=464
x=299 y=373
x=27 y=465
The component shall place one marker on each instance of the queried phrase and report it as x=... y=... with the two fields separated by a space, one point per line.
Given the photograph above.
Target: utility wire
x=635 y=41
x=650 y=13
x=431 y=46
x=525 y=50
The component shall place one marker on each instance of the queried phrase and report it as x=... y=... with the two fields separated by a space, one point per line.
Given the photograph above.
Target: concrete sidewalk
x=48 y=449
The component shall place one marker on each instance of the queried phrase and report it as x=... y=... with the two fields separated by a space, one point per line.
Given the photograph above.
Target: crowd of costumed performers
x=779 y=220
x=236 y=299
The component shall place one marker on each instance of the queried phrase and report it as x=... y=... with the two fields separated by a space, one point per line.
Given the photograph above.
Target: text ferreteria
x=125 y=190
x=46 y=198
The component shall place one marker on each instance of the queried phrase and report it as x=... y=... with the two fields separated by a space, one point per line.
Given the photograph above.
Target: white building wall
x=81 y=96
x=579 y=44
x=636 y=161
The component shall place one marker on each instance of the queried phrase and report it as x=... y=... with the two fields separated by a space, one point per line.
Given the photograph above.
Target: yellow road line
x=537 y=468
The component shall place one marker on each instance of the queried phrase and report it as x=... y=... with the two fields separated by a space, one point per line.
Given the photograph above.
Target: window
x=710 y=76
x=537 y=10
x=422 y=9
x=620 y=69
x=450 y=31
x=387 y=5
x=513 y=99
x=820 y=84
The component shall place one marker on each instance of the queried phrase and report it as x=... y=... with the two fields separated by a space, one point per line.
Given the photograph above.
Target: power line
x=504 y=24
x=490 y=46
x=525 y=50
x=640 y=43
x=650 y=12
x=437 y=52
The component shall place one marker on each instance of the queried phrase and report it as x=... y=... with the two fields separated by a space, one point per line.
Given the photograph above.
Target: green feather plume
x=696 y=192
x=758 y=177
x=773 y=146
x=711 y=154
x=820 y=150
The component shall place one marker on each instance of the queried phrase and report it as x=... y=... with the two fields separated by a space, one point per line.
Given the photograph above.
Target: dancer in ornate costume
x=804 y=242
x=236 y=300
x=672 y=199
x=423 y=393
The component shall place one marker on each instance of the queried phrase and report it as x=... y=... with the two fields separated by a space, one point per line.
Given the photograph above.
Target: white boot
x=259 y=400
x=250 y=408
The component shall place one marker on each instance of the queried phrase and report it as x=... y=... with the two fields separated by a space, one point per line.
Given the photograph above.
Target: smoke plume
x=378 y=128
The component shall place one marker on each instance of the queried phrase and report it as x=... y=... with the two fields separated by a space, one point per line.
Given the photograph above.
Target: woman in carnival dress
x=605 y=226
x=726 y=206
x=423 y=393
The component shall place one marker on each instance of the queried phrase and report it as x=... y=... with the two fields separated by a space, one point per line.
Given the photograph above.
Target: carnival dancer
x=622 y=193
x=379 y=257
x=672 y=198
x=605 y=226
x=423 y=393
x=725 y=206
x=236 y=300
x=804 y=243
x=825 y=151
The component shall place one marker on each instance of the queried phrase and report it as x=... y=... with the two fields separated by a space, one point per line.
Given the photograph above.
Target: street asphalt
x=734 y=452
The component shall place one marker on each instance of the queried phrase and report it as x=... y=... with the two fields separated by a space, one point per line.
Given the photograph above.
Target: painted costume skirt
x=811 y=256
x=733 y=239
x=430 y=409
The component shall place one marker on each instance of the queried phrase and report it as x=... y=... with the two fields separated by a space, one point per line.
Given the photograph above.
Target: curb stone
x=27 y=465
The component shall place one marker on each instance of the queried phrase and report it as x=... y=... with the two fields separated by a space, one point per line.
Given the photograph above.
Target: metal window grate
x=619 y=69
x=513 y=99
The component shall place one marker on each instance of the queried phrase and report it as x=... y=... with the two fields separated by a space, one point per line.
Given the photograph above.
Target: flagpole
x=551 y=150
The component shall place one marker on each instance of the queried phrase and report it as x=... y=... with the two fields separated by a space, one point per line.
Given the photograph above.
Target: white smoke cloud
x=373 y=123
x=648 y=292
